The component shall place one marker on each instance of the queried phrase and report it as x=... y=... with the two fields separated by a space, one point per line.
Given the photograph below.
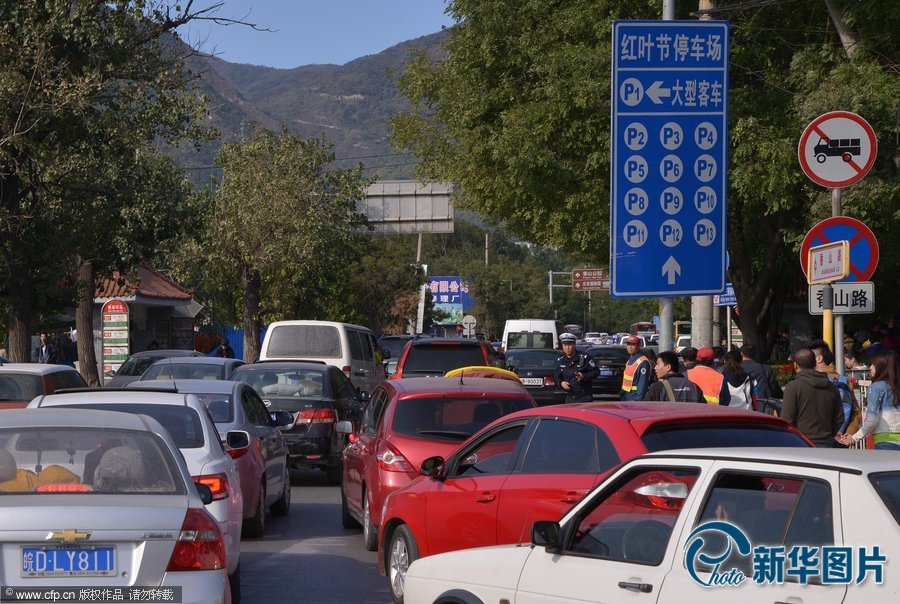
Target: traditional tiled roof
x=149 y=284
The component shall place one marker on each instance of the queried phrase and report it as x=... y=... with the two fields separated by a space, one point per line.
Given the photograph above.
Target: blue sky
x=313 y=31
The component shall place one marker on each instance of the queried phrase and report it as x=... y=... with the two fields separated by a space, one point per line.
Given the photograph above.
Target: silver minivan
x=349 y=347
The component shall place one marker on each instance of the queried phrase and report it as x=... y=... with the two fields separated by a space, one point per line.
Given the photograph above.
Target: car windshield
x=693 y=435
x=183 y=423
x=285 y=382
x=219 y=406
x=82 y=461
x=20 y=386
x=888 y=486
x=168 y=369
x=136 y=366
x=523 y=339
x=545 y=359
x=442 y=358
x=451 y=418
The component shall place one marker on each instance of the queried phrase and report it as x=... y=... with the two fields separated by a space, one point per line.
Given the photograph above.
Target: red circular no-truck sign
x=837 y=149
x=863 y=245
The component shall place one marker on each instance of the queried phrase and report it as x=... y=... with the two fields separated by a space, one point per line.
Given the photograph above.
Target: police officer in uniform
x=575 y=372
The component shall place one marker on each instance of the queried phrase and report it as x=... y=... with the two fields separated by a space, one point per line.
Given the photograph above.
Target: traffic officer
x=698 y=367
x=636 y=377
x=575 y=372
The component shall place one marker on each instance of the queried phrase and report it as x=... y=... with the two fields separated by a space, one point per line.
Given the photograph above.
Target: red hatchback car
x=433 y=357
x=407 y=421
x=535 y=464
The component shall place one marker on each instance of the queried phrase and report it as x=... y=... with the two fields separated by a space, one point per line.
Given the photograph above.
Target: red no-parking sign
x=863 y=245
x=837 y=149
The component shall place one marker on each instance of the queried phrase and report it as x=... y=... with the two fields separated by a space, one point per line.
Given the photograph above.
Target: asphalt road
x=307 y=556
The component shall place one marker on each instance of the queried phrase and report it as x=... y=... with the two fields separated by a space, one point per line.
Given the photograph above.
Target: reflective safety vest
x=709 y=380
x=631 y=367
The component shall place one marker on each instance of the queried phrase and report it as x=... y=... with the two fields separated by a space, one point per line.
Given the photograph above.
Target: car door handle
x=572 y=496
x=359 y=373
x=641 y=587
x=485 y=498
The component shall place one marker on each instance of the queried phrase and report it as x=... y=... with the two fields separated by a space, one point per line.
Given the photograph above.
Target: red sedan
x=533 y=465
x=407 y=421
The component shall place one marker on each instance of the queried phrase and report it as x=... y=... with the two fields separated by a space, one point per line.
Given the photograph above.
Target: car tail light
x=199 y=545
x=236 y=453
x=662 y=495
x=391 y=460
x=323 y=415
x=63 y=488
x=217 y=483
x=548 y=381
x=346 y=370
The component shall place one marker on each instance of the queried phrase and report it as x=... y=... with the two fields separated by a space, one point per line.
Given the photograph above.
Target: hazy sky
x=313 y=31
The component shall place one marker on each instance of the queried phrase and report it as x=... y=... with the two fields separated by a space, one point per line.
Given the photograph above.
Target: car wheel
x=370 y=532
x=333 y=473
x=256 y=526
x=821 y=158
x=283 y=505
x=234 y=582
x=402 y=552
x=347 y=521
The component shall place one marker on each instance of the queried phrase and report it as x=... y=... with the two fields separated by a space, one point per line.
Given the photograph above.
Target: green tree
x=280 y=225
x=85 y=87
x=517 y=112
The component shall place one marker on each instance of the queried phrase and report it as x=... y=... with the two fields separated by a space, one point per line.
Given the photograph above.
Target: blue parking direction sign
x=669 y=158
x=727 y=298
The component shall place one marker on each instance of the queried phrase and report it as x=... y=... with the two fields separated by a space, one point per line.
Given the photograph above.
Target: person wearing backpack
x=671 y=385
x=825 y=364
x=740 y=385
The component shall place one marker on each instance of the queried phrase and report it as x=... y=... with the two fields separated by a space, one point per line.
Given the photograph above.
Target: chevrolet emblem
x=68 y=536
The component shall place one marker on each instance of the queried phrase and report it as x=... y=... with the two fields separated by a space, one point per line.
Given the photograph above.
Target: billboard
x=451 y=297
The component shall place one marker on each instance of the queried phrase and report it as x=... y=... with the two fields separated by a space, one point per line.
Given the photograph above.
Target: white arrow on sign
x=578 y=275
x=671 y=268
x=656 y=92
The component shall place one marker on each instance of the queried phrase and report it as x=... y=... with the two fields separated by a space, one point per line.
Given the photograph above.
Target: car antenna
x=461 y=372
x=524 y=524
x=172 y=371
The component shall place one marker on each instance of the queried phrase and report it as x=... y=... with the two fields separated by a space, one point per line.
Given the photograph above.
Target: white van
x=349 y=347
x=531 y=333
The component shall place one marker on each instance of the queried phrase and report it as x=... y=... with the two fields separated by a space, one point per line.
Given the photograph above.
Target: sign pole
x=828 y=316
x=838 y=347
x=667 y=305
x=728 y=325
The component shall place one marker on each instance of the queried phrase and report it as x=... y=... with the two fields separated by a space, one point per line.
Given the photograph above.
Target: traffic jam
x=434 y=464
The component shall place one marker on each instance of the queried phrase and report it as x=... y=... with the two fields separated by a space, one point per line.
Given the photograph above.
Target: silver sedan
x=121 y=517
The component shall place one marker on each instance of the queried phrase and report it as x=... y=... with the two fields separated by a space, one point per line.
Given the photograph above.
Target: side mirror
x=281 y=418
x=344 y=427
x=546 y=534
x=237 y=440
x=205 y=493
x=434 y=467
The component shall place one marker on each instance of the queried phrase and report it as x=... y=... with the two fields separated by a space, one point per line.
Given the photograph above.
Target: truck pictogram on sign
x=845 y=148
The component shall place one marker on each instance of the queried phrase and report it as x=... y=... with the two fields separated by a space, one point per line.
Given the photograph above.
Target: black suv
x=433 y=357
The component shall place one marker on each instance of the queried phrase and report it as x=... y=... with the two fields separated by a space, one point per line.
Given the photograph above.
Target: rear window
x=48 y=461
x=705 y=436
x=136 y=366
x=393 y=345
x=532 y=358
x=304 y=342
x=442 y=358
x=451 y=418
x=524 y=339
x=285 y=382
x=219 y=407
x=164 y=370
x=888 y=486
x=182 y=423
x=20 y=386
x=608 y=354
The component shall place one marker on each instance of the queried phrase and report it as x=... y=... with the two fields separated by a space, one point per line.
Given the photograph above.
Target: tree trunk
x=251 y=284
x=849 y=40
x=84 y=322
x=19 y=296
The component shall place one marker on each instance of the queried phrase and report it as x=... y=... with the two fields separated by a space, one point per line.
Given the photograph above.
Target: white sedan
x=700 y=526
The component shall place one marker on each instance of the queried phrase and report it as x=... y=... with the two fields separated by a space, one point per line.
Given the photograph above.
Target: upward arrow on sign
x=670 y=269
